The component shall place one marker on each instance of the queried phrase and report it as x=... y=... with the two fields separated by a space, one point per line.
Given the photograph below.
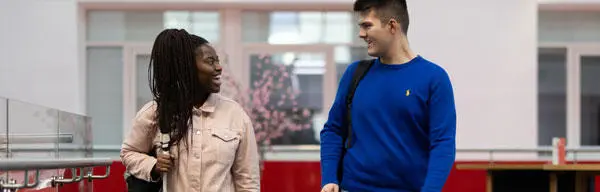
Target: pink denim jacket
x=221 y=153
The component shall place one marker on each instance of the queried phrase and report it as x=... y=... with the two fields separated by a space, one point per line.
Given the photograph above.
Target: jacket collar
x=209 y=105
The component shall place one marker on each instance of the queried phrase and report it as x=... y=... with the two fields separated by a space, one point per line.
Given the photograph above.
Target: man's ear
x=393 y=26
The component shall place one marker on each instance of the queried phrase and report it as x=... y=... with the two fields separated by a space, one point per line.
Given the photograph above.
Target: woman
x=212 y=146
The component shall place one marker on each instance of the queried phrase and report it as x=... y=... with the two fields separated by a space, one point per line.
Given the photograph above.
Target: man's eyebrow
x=363 y=23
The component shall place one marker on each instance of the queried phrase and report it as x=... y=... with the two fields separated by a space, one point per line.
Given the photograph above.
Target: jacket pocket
x=226 y=142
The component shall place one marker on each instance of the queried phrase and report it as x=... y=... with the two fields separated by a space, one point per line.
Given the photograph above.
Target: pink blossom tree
x=271 y=105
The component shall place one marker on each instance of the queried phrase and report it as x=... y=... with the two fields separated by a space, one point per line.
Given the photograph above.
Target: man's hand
x=331 y=187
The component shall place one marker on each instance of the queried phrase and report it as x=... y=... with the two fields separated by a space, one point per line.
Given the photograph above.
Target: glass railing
x=33 y=133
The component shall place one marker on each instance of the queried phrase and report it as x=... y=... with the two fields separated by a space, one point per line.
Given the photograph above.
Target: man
x=403 y=116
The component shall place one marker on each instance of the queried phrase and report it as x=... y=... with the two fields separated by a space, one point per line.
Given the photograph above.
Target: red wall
x=297 y=177
x=300 y=177
x=306 y=176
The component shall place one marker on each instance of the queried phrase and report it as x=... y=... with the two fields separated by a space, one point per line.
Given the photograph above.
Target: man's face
x=375 y=33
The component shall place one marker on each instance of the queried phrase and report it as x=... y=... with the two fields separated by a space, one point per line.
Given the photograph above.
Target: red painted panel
x=115 y=181
x=596 y=184
x=302 y=176
x=462 y=180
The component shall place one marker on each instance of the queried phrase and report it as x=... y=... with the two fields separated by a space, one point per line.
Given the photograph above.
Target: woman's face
x=209 y=68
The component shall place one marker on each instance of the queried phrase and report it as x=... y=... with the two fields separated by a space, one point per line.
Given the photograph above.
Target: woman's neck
x=201 y=99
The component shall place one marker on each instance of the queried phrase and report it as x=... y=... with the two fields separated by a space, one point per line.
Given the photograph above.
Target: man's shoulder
x=434 y=66
x=433 y=69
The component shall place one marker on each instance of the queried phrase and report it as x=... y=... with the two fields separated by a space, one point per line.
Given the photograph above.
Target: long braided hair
x=173 y=79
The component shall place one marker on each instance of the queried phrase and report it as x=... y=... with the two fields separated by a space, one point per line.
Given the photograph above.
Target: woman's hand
x=163 y=162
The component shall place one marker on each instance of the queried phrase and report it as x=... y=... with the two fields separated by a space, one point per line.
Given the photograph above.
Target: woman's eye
x=212 y=61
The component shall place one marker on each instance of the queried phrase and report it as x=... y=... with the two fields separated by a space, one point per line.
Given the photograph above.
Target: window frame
x=573 y=82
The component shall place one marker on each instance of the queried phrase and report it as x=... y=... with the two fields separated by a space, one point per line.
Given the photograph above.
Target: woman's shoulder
x=226 y=103
x=147 y=109
x=231 y=111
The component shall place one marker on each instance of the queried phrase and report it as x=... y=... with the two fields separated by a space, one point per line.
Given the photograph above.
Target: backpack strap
x=360 y=72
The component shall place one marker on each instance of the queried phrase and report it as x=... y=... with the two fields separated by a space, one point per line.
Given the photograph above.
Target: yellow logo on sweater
x=408 y=92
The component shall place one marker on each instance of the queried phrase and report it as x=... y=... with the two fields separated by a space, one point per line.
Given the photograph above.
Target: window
x=143 y=26
x=569 y=26
x=143 y=94
x=295 y=81
x=110 y=35
x=105 y=94
x=569 y=29
x=590 y=100
x=298 y=27
x=345 y=55
x=552 y=95
x=306 y=28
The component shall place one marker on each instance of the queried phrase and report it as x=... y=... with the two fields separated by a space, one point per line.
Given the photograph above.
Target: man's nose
x=362 y=33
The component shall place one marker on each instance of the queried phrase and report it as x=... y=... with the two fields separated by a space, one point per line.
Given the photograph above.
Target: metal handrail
x=492 y=154
x=314 y=148
x=37 y=138
x=309 y=148
x=37 y=165
x=28 y=164
x=490 y=151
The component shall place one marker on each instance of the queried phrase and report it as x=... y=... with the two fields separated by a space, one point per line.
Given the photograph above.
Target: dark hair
x=386 y=10
x=173 y=80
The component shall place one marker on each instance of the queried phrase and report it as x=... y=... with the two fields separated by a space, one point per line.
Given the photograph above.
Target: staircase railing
x=84 y=165
x=40 y=145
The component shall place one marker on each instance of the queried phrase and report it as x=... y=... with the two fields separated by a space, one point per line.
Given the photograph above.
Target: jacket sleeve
x=245 y=169
x=139 y=142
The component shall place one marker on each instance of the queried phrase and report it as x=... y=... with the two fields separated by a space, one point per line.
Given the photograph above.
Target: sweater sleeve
x=331 y=135
x=442 y=132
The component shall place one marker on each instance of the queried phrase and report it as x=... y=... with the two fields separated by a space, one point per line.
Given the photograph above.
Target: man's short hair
x=386 y=10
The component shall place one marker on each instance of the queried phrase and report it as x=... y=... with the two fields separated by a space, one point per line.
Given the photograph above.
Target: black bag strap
x=360 y=72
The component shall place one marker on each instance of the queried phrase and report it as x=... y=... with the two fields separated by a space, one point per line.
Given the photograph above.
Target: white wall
x=40 y=55
x=490 y=50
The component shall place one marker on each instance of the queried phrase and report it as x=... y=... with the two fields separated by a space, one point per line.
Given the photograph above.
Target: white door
x=136 y=88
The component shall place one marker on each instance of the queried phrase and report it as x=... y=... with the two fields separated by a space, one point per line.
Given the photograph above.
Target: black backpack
x=360 y=72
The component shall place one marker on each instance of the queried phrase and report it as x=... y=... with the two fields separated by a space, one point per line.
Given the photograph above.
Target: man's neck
x=399 y=53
